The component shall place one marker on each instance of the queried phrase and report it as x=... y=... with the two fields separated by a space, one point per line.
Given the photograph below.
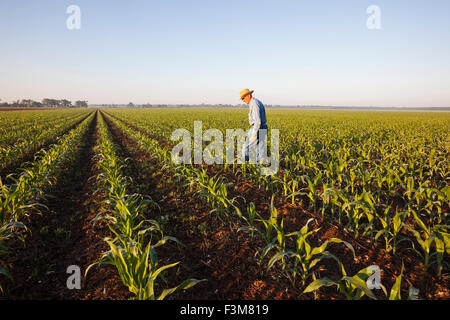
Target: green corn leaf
x=186 y=284
x=446 y=192
x=266 y=250
x=324 y=255
x=417 y=235
x=246 y=228
x=359 y=283
x=165 y=240
x=395 y=291
x=278 y=256
x=380 y=233
x=347 y=244
x=159 y=270
x=397 y=222
x=318 y=250
x=317 y=284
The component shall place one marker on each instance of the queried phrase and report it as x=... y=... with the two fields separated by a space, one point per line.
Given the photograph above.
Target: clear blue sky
x=191 y=51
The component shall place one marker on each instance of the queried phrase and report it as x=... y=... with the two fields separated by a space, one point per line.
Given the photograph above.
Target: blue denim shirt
x=257 y=115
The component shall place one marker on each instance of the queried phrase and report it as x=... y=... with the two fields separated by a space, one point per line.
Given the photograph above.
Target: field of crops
x=356 y=192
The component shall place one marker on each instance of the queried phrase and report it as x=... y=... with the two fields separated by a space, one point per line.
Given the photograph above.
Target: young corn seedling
x=312 y=185
x=18 y=198
x=331 y=199
x=391 y=229
x=139 y=269
x=362 y=206
x=250 y=219
x=435 y=201
x=434 y=237
x=353 y=288
x=214 y=190
x=269 y=225
x=293 y=191
x=305 y=257
x=279 y=244
x=409 y=193
x=127 y=214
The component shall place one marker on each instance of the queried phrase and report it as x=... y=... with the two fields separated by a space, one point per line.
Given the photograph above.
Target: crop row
x=18 y=126
x=133 y=247
x=32 y=141
x=25 y=194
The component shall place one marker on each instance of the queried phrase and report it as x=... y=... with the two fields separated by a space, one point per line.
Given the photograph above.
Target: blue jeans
x=257 y=146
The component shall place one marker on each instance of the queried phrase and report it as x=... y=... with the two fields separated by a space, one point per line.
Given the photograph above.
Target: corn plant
x=433 y=238
x=214 y=190
x=139 y=269
x=8 y=231
x=353 y=288
x=250 y=219
x=125 y=217
x=269 y=225
x=312 y=185
x=391 y=229
x=305 y=257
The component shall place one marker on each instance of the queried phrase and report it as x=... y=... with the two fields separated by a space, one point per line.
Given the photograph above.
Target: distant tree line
x=45 y=103
x=148 y=105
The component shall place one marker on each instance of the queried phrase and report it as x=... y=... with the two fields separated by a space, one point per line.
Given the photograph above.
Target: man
x=257 y=119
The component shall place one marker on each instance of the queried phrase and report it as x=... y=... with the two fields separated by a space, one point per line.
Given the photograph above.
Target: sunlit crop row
x=135 y=237
x=17 y=126
x=31 y=138
x=25 y=194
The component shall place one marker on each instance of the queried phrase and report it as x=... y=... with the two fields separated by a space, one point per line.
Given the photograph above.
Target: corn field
x=355 y=190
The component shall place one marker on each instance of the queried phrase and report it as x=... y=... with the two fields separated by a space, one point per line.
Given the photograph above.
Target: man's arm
x=256 y=120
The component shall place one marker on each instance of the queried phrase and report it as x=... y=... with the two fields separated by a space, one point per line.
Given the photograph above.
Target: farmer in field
x=258 y=127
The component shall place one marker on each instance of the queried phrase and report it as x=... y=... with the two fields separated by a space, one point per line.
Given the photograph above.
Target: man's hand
x=253 y=138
